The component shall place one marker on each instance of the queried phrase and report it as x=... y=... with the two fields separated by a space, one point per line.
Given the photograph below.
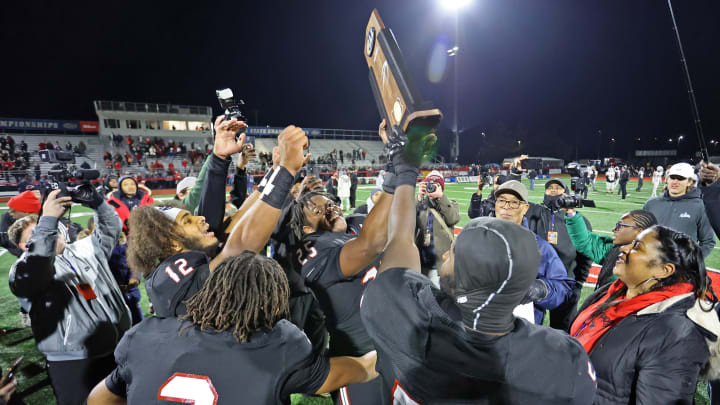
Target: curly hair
x=297 y=212
x=246 y=293
x=150 y=240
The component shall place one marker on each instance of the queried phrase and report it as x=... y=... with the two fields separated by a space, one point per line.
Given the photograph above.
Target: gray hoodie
x=68 y=324
x=684 y=214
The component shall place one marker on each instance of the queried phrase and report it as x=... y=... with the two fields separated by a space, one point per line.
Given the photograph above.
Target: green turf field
x=33 y=384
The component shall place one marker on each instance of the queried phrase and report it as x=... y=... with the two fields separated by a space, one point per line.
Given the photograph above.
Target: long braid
x=643 y=219
x=246 y=293
x=297 y=212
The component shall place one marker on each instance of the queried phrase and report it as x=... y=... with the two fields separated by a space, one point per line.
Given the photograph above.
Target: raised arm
x=363 y=250
x=347 y=370
x=258 y=220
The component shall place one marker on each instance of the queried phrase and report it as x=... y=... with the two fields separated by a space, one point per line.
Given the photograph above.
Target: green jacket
x=592 y=245
x=192 y=200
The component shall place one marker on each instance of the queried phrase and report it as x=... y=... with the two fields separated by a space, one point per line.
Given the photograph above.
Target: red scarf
x=588 y=330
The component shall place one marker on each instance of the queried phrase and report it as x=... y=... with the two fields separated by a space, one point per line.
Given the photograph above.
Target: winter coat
x=598 y=248
x=684 y=214
x=554 y=275
x=656 y=355
x=124 y=204
x=481 y=208
x=66 y=324
x=343 y=188
x=450 y=213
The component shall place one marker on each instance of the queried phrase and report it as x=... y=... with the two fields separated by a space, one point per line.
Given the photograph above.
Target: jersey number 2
x=181 y=267
x=188 y=389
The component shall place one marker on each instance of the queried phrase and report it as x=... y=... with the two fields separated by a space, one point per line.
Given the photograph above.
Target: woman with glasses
x=648 y=332
x=605 y=249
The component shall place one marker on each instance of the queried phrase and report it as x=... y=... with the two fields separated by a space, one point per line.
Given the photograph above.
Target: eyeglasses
x=676 y=177
x=620 y=225
x=513 y=204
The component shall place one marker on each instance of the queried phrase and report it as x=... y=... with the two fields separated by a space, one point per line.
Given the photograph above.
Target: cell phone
x=10 y=371
x=250 y=139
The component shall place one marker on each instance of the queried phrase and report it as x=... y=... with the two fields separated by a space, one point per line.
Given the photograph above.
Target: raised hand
x=291 y=144
x=246 y=155
x=225 y=131
x=54 y=206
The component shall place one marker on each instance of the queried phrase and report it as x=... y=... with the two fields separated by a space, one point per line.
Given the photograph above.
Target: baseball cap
x=495 y=263
x=555 y=181
x=681 y=169
x=514 y=187
x=185 y=183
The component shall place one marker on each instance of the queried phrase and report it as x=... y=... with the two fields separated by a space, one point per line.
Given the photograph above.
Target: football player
x=462 y=344
x=233 y=346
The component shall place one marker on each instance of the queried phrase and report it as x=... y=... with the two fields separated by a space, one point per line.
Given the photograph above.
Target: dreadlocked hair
x=297 y=213
x=246 y=293
x=151 y=237
x=684 y=253
x=642 y=218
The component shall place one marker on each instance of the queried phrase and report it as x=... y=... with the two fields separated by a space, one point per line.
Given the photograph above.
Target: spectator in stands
x=681 y=207
x=68 y=146
x=602 y=249
x=77 y=310
x=127 y=197
x=436 y=217
x=57 y=145
x=36 y=168
x=646 y=332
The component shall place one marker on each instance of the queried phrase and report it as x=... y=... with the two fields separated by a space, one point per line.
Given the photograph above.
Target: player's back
x=164 y=361
x=427 y=356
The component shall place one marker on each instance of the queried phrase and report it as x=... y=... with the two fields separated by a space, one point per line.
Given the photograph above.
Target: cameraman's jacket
x=442 y=239
x=599 y=248
x=542 y=220
x=77 y=309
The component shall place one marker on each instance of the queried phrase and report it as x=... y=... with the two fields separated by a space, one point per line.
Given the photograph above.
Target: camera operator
x=547 y=221
x=436 y=216
x=484 y=208
x=77 y=311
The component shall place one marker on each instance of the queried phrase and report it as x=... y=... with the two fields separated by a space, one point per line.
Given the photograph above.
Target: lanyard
x=552 y=223
x=69 y=264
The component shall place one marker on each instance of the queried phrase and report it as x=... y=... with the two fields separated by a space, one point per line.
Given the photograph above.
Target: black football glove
x=538 y=291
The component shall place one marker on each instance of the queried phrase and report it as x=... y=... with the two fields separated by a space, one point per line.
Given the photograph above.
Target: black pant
x=73 y=380
x=623 y=189
x=561 y=317
x=353 y=190
x=640 y=181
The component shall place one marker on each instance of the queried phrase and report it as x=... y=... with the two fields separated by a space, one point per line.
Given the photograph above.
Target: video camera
x=232 y=108
x=573 y=201
x=82 y=193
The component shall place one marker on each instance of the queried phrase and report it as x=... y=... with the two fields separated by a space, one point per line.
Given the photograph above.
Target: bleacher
x=320 y=147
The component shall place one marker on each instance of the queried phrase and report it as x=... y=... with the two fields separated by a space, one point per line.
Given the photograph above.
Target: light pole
x=455 y=6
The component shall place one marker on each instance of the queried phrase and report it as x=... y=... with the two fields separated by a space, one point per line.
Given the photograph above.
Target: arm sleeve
x=238 y=192
x=308 y=379
x=392 y=314
x=706 y=237
x=33 y=273
x=668 y=372
x=553 y=273
x=107 y=229
x=448 y=209
x=475 y=209
x=193 y=198
x=120 y=377
x=212 y=201
x=589 y=244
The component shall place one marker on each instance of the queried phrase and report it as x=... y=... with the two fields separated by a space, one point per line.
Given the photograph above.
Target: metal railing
x=128 y=106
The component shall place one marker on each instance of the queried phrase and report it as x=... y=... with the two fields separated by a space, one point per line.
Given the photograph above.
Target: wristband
x=264 y=181
x=277 y=188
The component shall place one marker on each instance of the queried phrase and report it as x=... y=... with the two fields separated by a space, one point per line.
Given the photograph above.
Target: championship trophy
x=398 y=100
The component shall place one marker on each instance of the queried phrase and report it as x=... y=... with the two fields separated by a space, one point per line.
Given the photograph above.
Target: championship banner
x=397 y=98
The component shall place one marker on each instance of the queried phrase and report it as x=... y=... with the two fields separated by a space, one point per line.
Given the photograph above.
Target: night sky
x=549 y=73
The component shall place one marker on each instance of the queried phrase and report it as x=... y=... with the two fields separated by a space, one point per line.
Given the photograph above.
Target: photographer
x=77 y=311
x=548 y=221
x=436 y=216
x=484 y=208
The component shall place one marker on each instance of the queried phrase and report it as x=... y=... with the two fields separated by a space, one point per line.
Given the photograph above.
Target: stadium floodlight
x=454 y=4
